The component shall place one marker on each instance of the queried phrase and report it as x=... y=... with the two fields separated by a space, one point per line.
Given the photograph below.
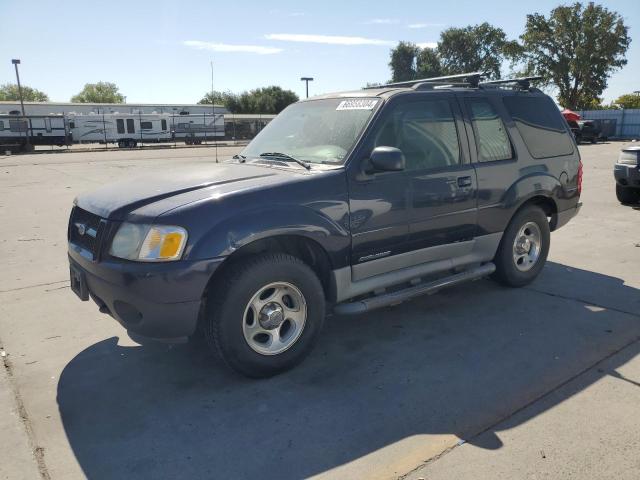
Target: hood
x=178 y=187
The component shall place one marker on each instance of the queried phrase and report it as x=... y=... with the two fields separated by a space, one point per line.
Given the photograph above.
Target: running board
x=368 y=304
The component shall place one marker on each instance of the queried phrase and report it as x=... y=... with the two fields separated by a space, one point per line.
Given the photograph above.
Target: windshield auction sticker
x=357 y=104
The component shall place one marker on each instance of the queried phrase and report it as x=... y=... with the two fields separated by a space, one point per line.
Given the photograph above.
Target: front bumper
x=627 y=175
x=155 y=300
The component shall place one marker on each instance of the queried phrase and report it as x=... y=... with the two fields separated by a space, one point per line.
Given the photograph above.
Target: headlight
x=148 y=243
x=629 y=156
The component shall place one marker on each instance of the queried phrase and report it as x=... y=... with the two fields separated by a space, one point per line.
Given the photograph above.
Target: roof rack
x=468 y=79
x=522 y=82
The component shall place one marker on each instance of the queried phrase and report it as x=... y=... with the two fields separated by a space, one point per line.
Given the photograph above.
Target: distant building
x=47 y=108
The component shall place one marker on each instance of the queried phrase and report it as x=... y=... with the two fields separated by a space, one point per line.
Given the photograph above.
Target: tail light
x=580 y=177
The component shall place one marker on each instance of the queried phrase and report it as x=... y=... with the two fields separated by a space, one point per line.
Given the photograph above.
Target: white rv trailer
x=193 y=129
x=125 y=129
x=40 y=130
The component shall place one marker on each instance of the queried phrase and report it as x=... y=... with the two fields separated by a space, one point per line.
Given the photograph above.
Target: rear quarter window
x=542 y=128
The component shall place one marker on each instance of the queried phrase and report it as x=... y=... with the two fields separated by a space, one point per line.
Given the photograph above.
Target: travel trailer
x=193 y=129
x=15 y=130
x=125 y=129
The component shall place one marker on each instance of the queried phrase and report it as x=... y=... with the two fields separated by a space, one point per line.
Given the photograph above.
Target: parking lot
x=479 y=381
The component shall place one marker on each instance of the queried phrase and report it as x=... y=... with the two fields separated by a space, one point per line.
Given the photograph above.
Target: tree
x=270 y=100
x=101 y=92
x=629 y=100
x=460 y=50
x=576 y=48
x=9 y=92
x=403 y=62
x=475 y=48
x=428 y=63
x=228 y=99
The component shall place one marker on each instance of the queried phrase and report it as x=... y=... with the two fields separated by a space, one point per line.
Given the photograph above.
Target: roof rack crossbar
x=434 y=85
x=472 y=78
x=523 y=82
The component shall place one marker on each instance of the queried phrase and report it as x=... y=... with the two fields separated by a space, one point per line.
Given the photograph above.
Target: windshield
x=317 y=131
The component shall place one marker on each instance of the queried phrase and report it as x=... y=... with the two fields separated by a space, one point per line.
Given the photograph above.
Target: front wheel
x=523 y=249
x=266 y=315
x=627 y=194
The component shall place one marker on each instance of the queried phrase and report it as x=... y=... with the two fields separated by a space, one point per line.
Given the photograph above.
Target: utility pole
x=307 y=80
x=16 y=62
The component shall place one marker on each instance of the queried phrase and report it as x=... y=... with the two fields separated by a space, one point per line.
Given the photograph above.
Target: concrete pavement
x=381 y=396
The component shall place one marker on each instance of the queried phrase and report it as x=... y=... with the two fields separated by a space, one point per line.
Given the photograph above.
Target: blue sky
x=160 y=51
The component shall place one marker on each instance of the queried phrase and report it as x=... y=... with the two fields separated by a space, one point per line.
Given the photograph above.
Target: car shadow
x=454 y=363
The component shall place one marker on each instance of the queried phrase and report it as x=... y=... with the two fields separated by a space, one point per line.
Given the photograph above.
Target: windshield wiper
x=242 y=158
x=286 y=157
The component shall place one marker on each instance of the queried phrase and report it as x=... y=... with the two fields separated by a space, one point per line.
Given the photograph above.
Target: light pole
x=306 y=80
x=16 y=62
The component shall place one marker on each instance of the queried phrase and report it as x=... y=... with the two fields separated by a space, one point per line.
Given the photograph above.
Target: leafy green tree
x=576 y=48
x=403 y=61
x=101 y=92
x=269 y=100
x=428 y=64
x=9 y=92
x=629 y=100
x=475 y=48
x=220 y=98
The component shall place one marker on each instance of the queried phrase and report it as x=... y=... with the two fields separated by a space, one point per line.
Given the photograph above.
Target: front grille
x=85 y=230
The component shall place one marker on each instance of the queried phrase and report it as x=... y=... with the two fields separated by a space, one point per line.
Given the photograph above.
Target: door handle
x=464 y=181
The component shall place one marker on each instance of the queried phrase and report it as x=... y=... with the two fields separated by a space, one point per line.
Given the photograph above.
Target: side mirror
x=387 y=159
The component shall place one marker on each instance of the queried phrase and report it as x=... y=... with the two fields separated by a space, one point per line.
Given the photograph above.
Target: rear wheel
x=266 y=315
x=627 y=194
x=524 y=248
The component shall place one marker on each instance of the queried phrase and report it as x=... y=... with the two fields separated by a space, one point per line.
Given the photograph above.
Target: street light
x=307 y=80
x=16 y=62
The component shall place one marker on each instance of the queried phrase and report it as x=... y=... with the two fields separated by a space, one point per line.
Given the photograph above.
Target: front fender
x=326 y=226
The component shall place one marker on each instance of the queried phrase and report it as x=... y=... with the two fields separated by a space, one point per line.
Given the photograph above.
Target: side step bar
x=368 y=304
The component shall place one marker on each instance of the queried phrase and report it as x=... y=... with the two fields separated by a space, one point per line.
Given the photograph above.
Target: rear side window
x=426 y=133
x=491 y=136
x=120 y=125
x=130 y=126
x=542 y=128
x=164 y=124
x=146 y=126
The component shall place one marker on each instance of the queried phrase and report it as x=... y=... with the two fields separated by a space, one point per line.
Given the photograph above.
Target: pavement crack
x=585 y=302
x=33 y=286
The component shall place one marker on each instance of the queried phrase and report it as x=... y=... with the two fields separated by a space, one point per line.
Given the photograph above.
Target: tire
x=627 y=194
x=523 y=249
x=121 y=144
x=278 y=285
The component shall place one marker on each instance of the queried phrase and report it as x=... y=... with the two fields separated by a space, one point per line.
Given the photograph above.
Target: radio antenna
x=213 y=108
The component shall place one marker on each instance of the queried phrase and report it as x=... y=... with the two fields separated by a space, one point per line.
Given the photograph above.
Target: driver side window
x=426 y=133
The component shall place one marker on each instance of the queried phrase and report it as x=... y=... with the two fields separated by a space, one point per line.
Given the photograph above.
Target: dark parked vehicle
x=627 y=175
x=586 y=130
x=353 y=200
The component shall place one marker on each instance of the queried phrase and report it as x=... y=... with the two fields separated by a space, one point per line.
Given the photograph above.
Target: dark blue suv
x=350 y=201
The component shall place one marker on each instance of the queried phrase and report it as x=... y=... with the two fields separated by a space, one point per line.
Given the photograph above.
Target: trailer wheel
x=121 y=144
x=132 y=143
